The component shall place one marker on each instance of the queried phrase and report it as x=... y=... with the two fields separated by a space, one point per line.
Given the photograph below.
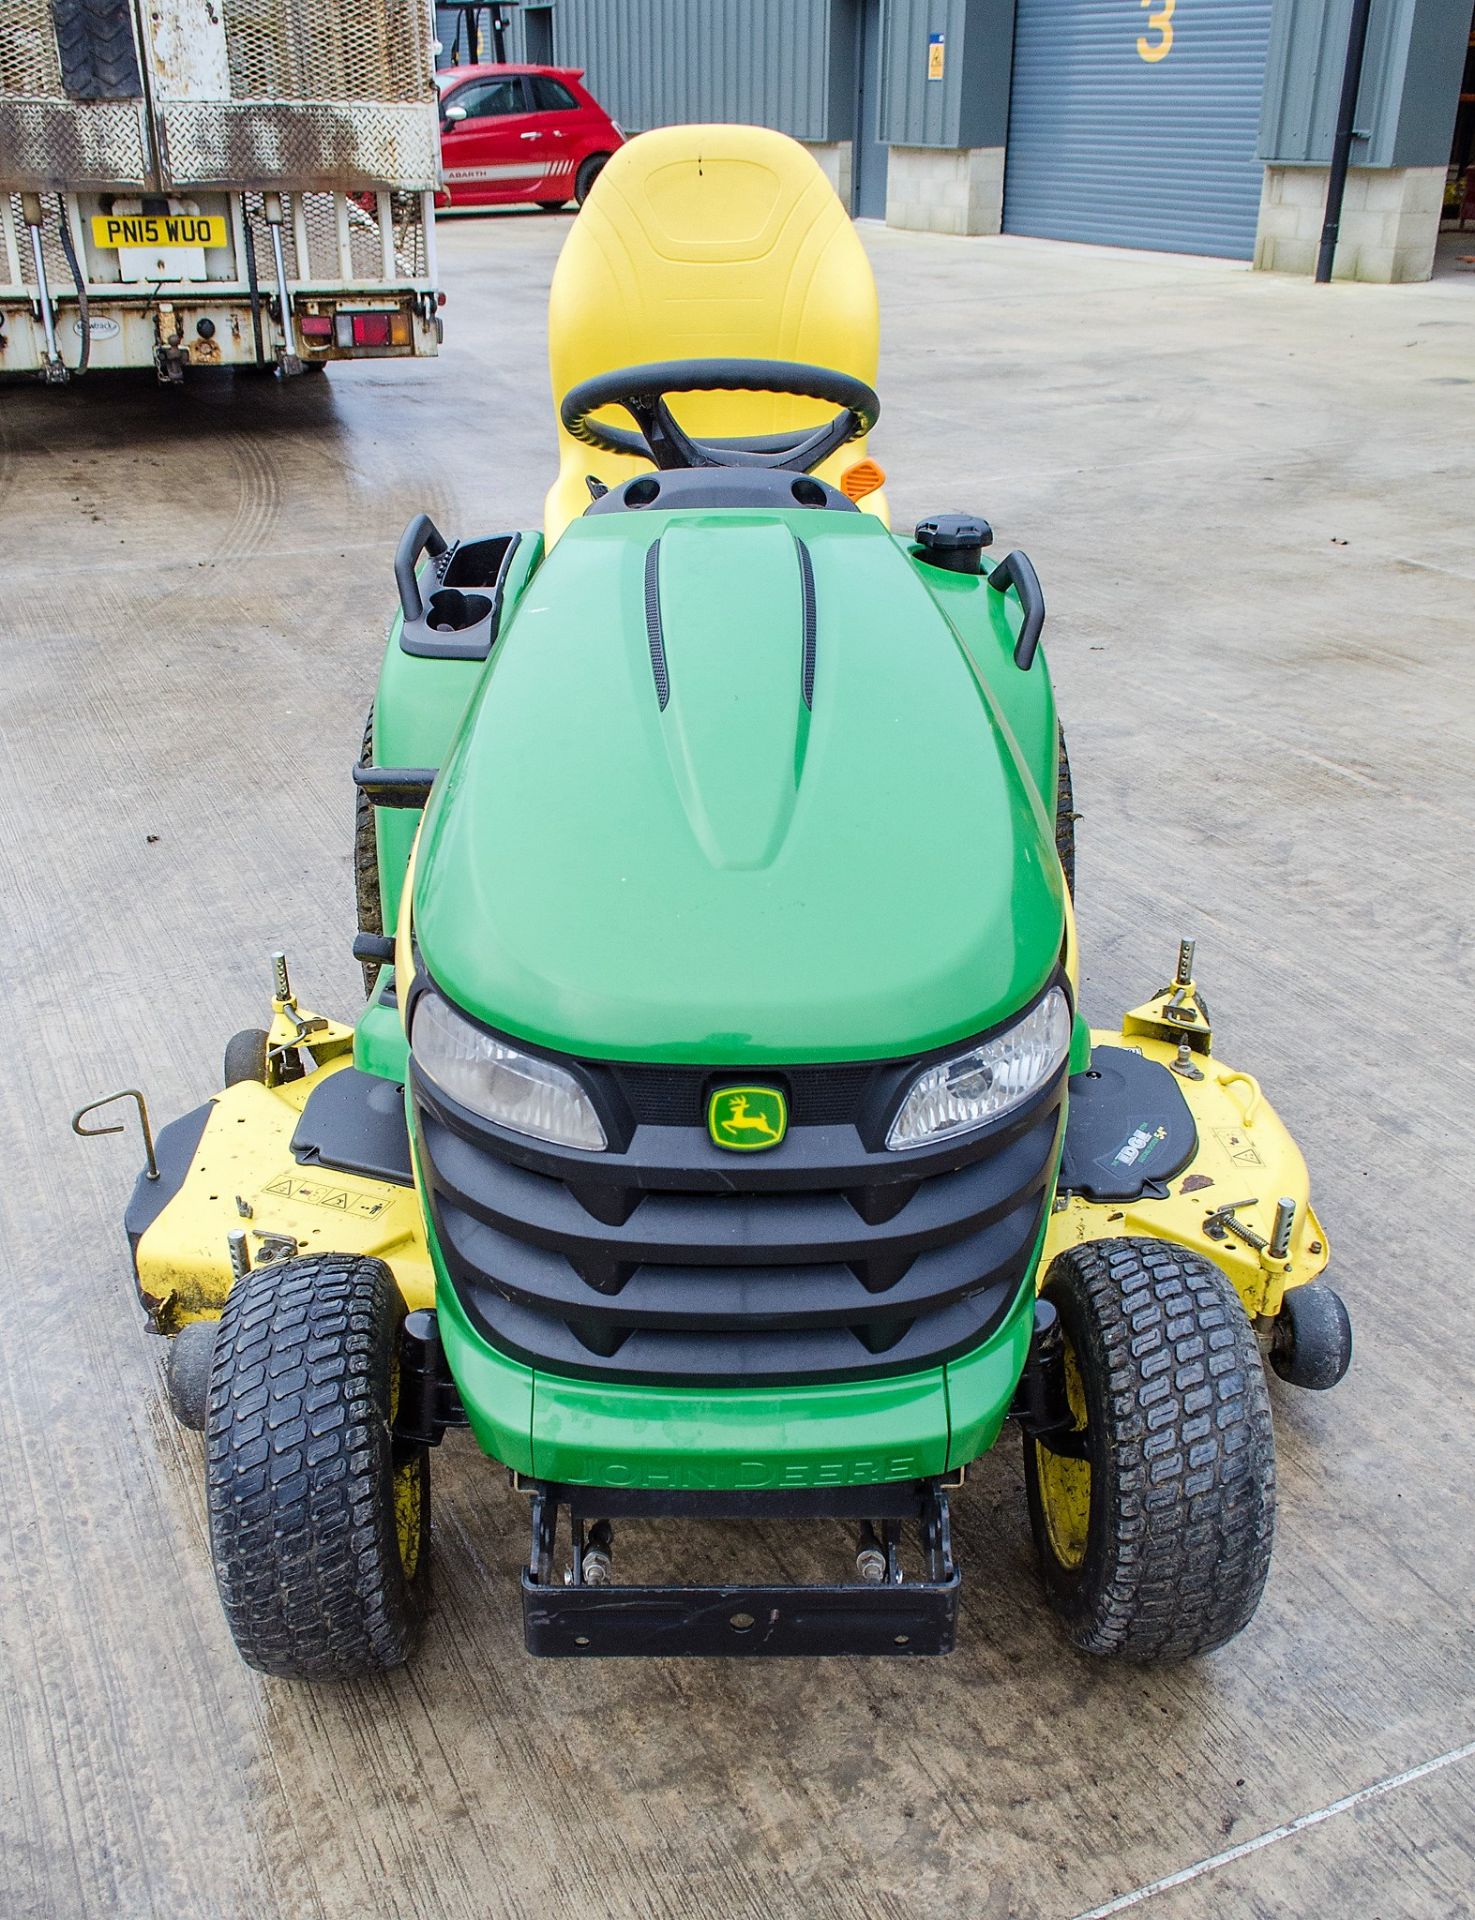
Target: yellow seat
x=700 y=242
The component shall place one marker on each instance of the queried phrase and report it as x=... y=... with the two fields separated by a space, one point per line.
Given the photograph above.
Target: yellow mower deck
x=1244 y=1155
x=183 y=1257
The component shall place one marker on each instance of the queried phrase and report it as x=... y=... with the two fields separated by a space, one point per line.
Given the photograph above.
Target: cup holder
x=478 y=563
x=452 y=611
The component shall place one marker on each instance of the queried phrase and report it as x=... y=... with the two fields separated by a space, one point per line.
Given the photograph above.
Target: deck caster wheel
x=1154 y=1516
x=245 y=1057
x=187 y=1373
x=319 y=1518
x=1311 y=1345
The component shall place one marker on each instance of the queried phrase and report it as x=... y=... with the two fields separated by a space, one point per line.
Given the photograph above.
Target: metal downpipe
x=1342 y=143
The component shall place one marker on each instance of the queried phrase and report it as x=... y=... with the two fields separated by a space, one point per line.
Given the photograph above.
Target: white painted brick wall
x=1390 y=222
x=945 y=189
x=835 y=159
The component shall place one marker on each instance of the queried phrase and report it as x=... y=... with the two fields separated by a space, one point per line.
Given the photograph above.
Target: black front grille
x=677 y=1096
x=673 y=1261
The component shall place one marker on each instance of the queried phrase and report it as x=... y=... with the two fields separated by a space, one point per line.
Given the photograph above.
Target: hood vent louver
x=806 y=590
x=653 y=631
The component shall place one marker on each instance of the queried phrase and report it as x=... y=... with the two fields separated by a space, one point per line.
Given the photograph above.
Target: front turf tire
x=1155 y=1546
x=319 y=1523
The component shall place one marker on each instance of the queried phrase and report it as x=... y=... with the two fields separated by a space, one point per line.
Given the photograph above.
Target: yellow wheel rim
x=407 y=1515
x=1065 y=1483
x=406 y=1485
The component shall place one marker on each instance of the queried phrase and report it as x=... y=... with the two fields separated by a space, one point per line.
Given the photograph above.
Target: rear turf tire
x=319 y=1524
x=1155 y=1547
x=588 y=173
x=368 y=898
x=1065 y=815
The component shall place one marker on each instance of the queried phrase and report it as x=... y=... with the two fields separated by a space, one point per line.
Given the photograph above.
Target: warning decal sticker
x=1238 y=1146
x=317 y=1193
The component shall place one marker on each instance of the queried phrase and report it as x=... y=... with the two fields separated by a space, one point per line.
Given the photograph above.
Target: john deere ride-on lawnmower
x=721 y=1137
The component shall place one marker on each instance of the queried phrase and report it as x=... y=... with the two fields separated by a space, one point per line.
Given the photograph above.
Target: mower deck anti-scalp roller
x=722 y=1139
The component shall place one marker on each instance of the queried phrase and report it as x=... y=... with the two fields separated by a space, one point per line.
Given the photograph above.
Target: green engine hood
x=647 y=844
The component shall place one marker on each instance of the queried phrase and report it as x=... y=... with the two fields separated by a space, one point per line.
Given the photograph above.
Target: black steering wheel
x=642 y=391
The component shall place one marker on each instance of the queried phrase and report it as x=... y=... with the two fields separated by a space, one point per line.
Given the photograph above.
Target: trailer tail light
x=315 y=326
x=379 y=329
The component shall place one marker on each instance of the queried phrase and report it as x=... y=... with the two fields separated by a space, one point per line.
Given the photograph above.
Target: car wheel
x=588 y=173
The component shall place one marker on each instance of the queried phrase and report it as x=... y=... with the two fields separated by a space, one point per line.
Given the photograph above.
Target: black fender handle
x=420 y=536
x=395 y=786
x=1017 y=570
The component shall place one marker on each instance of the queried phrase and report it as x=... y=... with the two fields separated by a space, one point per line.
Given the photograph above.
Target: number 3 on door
x=1161 y=23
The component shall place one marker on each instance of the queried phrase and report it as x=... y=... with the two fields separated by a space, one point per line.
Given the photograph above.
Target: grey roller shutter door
x=1107 y=146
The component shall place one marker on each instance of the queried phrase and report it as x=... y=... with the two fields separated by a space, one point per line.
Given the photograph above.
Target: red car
x=520 y=133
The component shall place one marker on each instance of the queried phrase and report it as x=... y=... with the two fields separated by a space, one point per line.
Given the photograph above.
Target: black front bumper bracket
x=896 y=1617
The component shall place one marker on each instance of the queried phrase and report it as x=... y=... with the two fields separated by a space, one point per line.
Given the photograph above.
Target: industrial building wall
x=1133 y=122
x=655 y=62
x=1410 y=89
x=947 y=72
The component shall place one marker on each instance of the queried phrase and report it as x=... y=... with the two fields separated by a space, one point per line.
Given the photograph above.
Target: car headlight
x=987 y=1081
x=517 y=1090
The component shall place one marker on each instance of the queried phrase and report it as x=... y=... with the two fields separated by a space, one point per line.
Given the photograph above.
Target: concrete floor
x=1250 y=502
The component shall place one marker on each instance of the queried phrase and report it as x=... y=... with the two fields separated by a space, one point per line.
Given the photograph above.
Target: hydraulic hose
x=84 y=319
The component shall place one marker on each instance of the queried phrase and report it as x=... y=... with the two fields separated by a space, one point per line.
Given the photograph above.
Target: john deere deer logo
x=747 y=1118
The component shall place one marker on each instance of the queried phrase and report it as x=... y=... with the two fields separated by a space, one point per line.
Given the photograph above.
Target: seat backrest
x=700 y=242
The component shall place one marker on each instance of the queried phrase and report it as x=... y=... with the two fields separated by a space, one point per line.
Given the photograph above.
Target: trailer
x=223 y=183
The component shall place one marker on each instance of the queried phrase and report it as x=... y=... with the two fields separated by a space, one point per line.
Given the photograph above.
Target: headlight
x=517 y=1090
x=987 y=1081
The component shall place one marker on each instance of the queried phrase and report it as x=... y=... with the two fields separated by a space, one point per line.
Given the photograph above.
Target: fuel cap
x=954 y=541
